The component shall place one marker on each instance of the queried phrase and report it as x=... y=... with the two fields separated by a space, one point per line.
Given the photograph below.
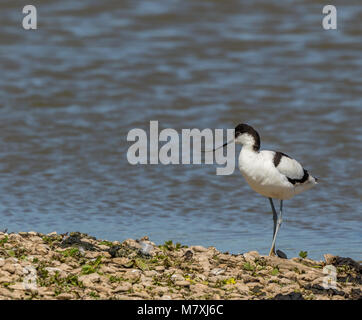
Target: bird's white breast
x=262 y=176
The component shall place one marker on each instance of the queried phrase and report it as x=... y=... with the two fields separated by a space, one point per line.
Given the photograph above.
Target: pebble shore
x=77 y=266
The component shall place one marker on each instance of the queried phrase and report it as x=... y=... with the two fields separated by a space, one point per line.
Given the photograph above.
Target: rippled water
x=71 y=90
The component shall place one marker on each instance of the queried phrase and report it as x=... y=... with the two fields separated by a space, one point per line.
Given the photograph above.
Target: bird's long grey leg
x=279 y=222
x=275 y=217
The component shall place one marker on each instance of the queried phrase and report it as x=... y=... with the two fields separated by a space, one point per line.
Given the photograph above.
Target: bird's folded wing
x=291 y=168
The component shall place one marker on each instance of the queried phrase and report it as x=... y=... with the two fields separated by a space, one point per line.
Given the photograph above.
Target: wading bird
x=272 y=174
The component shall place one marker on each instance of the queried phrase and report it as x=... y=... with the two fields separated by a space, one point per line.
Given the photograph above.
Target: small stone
x=64 y=296
x=182 y=283
x=251 y=256
x=146 y=248
x=91 y=254
x=137 y=287
x=199 y=249
x=329 y=258
x=177 y=277
x=36 y=239
x=160 y=290
x=52 y=271
x=17 y=295
x=248 y=278
x=234 y=296
x=217 y=271
x=107 y=269
x=273 y=287
x=252 y=284
x=256 y=289
x=150 y=273
x=132 y=275
x=142 y=295
x=4 y=280
x=15 y=237
x=4 y=292
x=17 y=286
x=290 y=275
x=204 y=263
x=199 y=288
x=202 y=277
x=290 y=296
x=285 y=281
x=121 y=261
x=273 y=279
x=65 y=267
x=242 y=288
x=309 y=276
x=102 y=288
x=125 y=286
x=45 y=292
x=9 y=268
x=93 y=278
x=188 y=255
x=160 y=268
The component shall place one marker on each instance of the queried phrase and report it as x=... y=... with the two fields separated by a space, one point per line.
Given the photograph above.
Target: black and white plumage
x=272 y=174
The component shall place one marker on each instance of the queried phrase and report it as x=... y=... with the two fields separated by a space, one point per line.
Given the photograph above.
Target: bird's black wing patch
x=278 y=156
x=302 y=180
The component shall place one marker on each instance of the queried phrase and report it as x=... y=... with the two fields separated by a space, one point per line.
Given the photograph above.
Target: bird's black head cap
x=245 y=128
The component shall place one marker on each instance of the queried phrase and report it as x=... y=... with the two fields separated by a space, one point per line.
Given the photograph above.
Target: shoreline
x=78 y=266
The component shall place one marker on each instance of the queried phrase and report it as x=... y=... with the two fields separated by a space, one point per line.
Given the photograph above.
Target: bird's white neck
x=248 y=142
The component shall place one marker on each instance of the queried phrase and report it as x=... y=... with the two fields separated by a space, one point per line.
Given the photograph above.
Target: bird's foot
x=278 y=253
x=281 y=254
